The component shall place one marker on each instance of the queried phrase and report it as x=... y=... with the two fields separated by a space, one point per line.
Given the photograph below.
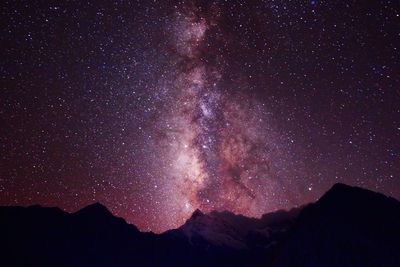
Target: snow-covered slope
x=226 y=229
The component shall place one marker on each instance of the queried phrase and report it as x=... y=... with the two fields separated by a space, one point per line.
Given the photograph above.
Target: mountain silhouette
x=347 y=226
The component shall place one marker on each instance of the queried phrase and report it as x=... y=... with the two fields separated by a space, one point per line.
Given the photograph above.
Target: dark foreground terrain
x=348 y=226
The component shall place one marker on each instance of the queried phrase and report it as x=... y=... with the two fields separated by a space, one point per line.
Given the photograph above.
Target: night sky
x=156 y=108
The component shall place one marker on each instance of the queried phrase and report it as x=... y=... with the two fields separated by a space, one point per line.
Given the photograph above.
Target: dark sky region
x=156 y=108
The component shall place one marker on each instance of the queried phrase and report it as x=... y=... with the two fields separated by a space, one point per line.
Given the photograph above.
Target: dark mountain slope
x=348 y=226
x=37 y=236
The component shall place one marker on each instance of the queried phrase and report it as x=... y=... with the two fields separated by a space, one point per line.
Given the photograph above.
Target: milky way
x=158 y=108
x=219 y=149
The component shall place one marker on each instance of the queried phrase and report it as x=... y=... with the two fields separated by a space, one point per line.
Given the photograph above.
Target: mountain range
x=347 y=226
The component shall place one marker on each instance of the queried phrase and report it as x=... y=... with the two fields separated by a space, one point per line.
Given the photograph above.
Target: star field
x=157 y=108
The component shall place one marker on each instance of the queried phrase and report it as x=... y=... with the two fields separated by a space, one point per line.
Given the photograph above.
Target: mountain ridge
x=92 y=236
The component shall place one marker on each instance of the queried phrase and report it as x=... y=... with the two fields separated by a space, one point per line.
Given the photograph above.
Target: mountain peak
x=94 y=209
x=347 y=194
x=96 y=205
x=197 y=213
x=342 y=188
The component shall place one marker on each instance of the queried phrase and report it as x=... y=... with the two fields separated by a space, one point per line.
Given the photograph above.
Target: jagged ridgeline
x=348 y=226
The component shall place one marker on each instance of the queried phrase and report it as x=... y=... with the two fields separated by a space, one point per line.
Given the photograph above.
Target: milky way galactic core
x=218 y=145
